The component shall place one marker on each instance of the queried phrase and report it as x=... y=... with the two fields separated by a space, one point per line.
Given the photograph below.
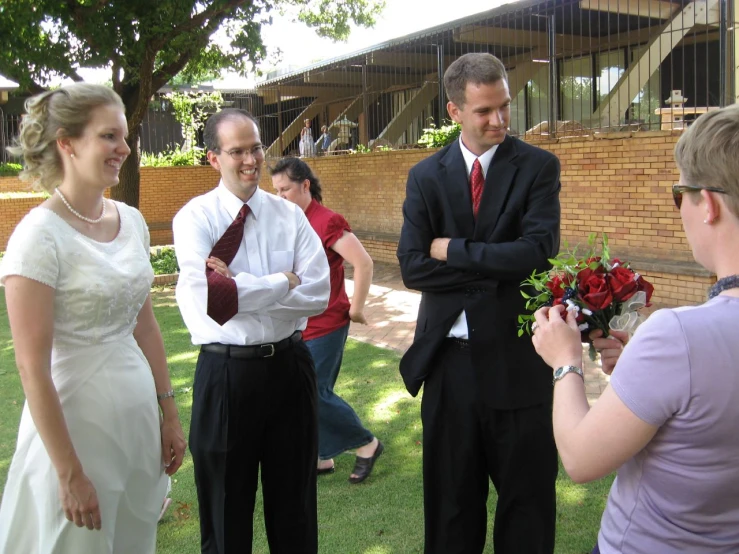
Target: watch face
x=564 y=370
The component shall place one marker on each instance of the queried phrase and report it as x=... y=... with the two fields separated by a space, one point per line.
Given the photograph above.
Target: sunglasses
x=679 y=190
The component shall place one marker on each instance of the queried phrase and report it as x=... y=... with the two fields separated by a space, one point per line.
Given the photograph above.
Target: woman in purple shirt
x=669 y=420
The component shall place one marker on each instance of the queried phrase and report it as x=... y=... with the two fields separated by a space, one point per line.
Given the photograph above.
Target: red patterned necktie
x=477 y=181
x=223 y=297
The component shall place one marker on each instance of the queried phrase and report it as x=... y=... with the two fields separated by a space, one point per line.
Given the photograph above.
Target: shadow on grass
x=384 y=515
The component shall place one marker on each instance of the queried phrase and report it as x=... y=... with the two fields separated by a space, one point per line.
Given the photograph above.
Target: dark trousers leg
x=234 y=404
x=455 y=478
x=289 y=458
x=213 y=453
x=522 y=461
x=465 y=445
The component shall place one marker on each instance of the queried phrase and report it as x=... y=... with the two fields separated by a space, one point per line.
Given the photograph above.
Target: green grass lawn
x=384 y=515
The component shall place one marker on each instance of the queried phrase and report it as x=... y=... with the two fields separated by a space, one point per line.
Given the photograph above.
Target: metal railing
x=575 y=67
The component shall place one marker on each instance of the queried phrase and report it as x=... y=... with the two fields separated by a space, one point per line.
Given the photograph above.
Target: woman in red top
x=339 y=428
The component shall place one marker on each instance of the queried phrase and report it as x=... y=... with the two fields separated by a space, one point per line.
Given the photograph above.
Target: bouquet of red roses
x=605 y=293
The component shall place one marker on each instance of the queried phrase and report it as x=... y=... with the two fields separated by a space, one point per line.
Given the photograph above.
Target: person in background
x=92 y=458
x=251 y=272
x=668 y=420
x=339 y=427
x=324 y=141
x=307 y=147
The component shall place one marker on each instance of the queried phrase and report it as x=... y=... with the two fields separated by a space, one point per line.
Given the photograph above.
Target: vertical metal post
x=552 y=76
x=279 y=121
x=734 y=45
x=364 y=136
x=442 y=94
x=722 y=64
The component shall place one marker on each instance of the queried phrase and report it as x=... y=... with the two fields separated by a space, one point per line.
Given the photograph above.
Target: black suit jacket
x=515 y=233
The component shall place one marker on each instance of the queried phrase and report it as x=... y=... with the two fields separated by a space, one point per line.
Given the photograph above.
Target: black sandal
x=363 y=466
x=326 y=470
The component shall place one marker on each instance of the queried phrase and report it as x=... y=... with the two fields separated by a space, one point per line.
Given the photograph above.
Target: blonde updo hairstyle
x=55 y=114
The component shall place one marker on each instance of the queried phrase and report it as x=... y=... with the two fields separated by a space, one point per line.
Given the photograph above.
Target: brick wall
x=616 y=183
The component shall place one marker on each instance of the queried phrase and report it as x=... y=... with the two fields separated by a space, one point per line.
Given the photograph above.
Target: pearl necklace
x=78 y=214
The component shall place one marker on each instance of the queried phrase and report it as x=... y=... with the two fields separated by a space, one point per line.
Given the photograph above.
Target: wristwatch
x=564 y=370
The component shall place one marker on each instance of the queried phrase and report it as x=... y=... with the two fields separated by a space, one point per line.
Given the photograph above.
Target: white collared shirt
x=459 y=329
x=277 y=238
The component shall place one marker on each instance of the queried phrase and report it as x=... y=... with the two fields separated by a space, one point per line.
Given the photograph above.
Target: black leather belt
x=250 y=352
x=461 y=344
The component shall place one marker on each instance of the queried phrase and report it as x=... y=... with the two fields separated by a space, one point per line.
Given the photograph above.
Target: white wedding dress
x=105 y=386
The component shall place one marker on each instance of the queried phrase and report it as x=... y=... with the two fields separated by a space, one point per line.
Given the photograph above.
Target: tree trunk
x=127 y=189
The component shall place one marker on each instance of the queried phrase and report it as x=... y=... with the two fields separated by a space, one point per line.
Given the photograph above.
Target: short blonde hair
x=707 y=154
x=51 y=115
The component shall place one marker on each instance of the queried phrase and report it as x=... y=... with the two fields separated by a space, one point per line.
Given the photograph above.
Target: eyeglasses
x=679 y=190
x=240 y=154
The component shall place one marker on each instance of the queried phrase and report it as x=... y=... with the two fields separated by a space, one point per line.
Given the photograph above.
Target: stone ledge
x=638 y=262
x=166 y=279
x=669 y=266
x=160 y=226
x=379 y=237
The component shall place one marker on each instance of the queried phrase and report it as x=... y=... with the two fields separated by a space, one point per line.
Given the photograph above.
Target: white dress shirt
x=277 y=238
x=459 y=329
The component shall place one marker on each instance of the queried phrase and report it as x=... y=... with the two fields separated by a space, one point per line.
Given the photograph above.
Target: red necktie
x=477 y=181
x=223 y=296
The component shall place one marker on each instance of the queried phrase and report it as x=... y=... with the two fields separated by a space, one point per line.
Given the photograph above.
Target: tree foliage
x=146 y=44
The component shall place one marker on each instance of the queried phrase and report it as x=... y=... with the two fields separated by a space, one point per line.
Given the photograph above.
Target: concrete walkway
x=391 y=312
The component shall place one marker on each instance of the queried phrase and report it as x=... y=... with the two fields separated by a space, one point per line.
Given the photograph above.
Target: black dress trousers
x=466 y=444
x=249 y=414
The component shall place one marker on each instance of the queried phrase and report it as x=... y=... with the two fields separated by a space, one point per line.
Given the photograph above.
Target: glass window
x=576 y=90
x=643 y=105
x=538 y=97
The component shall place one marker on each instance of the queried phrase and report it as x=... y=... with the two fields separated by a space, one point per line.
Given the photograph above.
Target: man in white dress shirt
x=254 y=395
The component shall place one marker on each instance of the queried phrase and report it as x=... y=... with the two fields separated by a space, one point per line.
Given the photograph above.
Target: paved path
x=391 y=312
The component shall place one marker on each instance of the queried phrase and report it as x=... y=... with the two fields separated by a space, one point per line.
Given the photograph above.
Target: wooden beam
x=513 y=38
x=642 y=8
x=613 y=107
x=418 y=62
x=375 y=80
x=270 y=93
x=399 y=124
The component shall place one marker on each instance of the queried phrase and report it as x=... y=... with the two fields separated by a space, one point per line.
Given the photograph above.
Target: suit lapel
x=457 y=189
x=498 y=183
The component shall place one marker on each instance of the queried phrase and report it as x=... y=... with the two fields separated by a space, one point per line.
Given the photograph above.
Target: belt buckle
x=271 y=347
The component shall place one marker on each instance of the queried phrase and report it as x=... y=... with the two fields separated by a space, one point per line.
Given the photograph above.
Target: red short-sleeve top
x=330 y=227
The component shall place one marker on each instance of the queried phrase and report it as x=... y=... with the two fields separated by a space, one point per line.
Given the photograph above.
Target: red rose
x=593 y=289
x=622 y=282
x=646 y=286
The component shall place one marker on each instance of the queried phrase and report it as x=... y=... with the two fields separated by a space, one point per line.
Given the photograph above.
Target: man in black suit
x=479 y=216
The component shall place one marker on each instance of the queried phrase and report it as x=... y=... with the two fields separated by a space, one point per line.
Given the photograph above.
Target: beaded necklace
x=78 y=214
x=725 y=283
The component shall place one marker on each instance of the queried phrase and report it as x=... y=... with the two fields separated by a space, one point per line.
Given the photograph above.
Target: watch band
x=564 y=370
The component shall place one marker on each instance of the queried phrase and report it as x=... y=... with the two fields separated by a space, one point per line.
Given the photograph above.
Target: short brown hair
x=479 y=68
x=707 y=154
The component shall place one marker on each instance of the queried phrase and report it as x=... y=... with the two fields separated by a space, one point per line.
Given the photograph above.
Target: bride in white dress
x=90 y=469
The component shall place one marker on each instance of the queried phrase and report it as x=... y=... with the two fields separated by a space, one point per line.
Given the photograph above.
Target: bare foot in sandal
x=325 y=466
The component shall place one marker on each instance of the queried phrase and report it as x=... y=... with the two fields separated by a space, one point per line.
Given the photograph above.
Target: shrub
x=164 y=261
x=10 y=169
x=169 y=158
x=438 y=137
